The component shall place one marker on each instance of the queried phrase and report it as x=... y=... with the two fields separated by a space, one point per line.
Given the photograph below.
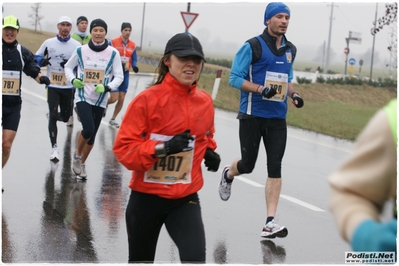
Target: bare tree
x=35 y=15
x=393 y=46
x=390 y=18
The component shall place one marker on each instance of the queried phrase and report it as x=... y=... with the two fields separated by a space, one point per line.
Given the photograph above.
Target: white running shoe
x=112 y=123
x=272 y=230
x=70 y=121
x=77 y=164
x=54 y=153
x=224 y=187
x=82 y=175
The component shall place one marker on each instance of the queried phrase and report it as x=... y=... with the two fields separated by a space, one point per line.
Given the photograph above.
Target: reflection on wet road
x=272 y=254
x=65 y=216
x=50 y=217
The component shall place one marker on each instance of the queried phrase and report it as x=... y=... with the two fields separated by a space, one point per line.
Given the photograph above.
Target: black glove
x=45 y=62
x=296 y=97
x=135 y=69
x=62 y=64
x=212 y=160
x=268 y=92
x=178 y=143
x=44 y=80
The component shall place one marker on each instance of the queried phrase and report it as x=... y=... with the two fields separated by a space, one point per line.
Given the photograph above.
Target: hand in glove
x=62 y=64
x=135 y=69
x=100 y=88
x=44 y=80
x=268 y=92
x=78 y=83
x=297 y=100
x=212 y=160
x=45 y=62
x=178 y=143
x=374 y=236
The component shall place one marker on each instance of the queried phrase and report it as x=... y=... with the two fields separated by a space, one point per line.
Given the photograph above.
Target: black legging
x=274 y=135
x=64 y=99
x=90 y=117
x=145 y=215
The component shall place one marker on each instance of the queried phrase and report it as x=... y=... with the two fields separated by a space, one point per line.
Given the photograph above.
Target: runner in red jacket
x=165 y=134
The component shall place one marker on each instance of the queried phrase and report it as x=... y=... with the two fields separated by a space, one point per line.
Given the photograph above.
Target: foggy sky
x=223 y=27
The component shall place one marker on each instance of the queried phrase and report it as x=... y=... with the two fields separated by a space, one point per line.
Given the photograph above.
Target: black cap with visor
x=184 y=44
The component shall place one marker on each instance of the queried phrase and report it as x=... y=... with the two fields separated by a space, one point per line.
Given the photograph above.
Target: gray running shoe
x=272 y=230
x=112 y=123
x=224 y=187
x=83 y=174
x=77 y=164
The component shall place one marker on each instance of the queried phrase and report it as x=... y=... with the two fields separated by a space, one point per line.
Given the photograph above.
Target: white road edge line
x=243 y=179
x=296 y=137
x=24 y=90
x=302 y=203
x=289 y=198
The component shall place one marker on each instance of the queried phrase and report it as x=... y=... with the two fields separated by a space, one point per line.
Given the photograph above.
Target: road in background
x=49 y=216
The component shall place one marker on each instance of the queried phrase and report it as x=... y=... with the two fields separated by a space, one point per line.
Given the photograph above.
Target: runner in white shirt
x=99 y=70
x=53 y=54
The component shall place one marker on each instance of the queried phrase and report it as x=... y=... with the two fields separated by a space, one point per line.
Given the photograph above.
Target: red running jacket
x=167 y=109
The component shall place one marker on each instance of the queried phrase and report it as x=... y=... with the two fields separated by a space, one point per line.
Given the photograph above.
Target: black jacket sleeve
x=31 y=68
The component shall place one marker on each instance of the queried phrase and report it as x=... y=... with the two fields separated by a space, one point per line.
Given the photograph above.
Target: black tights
x=274 y=135
x=145 y=215
x=64 y=99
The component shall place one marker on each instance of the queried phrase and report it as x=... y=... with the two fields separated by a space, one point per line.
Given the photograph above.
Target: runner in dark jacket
x=16 y=59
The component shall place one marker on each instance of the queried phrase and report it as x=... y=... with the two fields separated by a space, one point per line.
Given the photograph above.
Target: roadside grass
x=340 y=111
x=334 y=110
x=336 y=119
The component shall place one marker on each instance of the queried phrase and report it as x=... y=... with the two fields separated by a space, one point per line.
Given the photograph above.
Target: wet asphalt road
x=49 y=216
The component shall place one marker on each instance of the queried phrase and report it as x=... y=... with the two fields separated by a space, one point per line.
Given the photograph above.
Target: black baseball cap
x=184 y=44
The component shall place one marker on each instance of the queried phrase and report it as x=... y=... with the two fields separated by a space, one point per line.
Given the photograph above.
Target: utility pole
x=142 y=29
x=188 y=10
x=347 y=46
x=372 y=51
x=324 y=52
x=329 y=39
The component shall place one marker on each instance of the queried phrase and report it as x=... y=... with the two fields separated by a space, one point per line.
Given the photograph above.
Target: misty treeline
x=320 y=55
x=351 y=80
x=219 y=62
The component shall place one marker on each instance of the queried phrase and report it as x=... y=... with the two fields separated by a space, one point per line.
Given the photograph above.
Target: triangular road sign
x=188 y=18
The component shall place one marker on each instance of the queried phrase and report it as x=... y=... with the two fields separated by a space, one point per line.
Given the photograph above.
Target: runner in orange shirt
x=162 y=141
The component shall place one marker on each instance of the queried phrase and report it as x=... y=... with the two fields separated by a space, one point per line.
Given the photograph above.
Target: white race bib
x=278 y=81
x=94 y=73
x=10 y=80
x=172 y=169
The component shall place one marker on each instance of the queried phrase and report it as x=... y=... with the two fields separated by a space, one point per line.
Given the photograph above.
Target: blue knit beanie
x=275 y=8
